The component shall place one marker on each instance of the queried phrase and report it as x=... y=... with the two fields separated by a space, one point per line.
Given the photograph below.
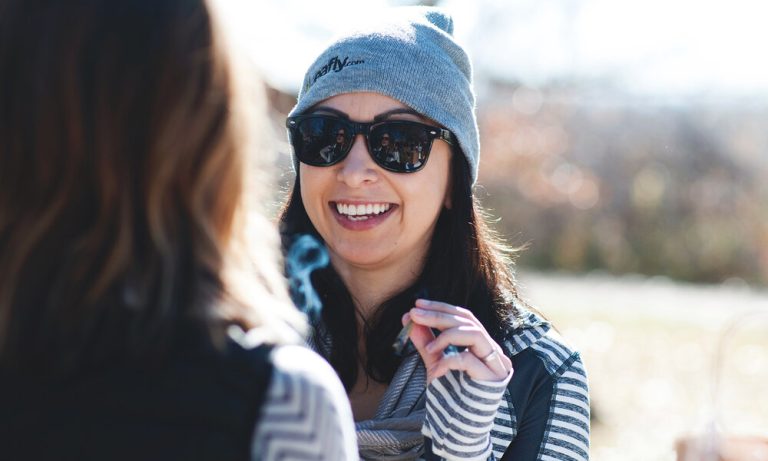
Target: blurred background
x=625 y=148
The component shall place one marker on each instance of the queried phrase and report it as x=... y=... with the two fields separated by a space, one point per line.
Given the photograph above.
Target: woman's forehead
x=367 y=106
x=376 y=107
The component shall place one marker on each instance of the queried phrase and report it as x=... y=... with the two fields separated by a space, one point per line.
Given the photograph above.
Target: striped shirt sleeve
x=306 y=413
x=566 y=437
x=460 y=415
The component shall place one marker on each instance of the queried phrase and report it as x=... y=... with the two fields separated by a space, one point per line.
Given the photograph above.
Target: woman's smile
x=360 y=216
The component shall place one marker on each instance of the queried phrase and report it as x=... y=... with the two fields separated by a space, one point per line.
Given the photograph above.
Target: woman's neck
x=370 y=287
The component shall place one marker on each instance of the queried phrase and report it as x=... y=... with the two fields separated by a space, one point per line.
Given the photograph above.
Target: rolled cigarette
x=402 y=338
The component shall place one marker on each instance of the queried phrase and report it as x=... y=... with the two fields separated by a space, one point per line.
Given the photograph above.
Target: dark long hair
x=466 y=265
x=121 y=182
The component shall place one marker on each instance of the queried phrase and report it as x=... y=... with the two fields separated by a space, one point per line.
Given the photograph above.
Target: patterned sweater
x=306 y=413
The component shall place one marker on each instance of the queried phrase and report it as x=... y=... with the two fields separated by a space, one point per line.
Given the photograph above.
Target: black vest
x=201 y=406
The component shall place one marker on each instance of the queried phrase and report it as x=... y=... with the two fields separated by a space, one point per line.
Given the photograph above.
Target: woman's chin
x=360 y=256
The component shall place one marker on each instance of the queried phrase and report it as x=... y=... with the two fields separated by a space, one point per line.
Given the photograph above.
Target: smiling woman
x=484 y=377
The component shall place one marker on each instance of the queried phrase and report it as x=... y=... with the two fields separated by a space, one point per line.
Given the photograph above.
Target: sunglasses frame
x=355 y=128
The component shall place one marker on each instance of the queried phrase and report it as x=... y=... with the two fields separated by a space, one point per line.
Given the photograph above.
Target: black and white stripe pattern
x=567 y=434
x=306 y=414
x=471 y=420
x=504 y=427
x=460 y=413
x=395 y=430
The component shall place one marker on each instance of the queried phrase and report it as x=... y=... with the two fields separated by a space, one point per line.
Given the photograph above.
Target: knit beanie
x=410 y=56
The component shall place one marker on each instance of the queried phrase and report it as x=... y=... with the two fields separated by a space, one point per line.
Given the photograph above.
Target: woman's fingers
x=483 y=358
x=454 y=329
x=443 y=307
x=438 y=319
x=466 y=362
x=491 y=359
x=472 y=337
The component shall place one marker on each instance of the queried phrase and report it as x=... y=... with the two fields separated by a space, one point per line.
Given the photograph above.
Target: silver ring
x=490 y=356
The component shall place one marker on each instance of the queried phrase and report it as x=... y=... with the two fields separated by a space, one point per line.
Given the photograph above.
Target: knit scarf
x=394 y=433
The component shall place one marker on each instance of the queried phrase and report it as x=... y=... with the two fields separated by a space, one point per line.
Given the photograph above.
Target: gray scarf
x=394 y=433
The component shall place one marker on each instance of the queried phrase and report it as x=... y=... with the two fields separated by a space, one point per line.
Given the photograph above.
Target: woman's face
x=371 y=218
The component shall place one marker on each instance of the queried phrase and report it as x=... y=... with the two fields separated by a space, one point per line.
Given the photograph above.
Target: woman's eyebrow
x=331 y=110
x=399 y=110
x=377 y=118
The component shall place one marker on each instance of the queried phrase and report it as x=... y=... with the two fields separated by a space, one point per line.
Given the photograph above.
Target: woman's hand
x=483 y=359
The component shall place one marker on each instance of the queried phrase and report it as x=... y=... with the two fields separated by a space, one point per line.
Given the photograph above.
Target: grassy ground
x=649 y=346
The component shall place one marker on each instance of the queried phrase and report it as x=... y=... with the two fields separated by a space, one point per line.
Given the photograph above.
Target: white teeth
x=361 y=211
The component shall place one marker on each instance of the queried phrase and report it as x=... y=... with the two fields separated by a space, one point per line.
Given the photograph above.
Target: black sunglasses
x=314 y=141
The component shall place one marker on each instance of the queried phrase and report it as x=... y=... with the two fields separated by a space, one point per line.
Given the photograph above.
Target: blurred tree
x=627 y=187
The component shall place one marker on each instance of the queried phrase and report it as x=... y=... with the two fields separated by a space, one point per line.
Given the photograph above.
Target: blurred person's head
x=122 y=172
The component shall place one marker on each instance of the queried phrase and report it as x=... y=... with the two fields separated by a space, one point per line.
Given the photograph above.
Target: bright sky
x=658 y=47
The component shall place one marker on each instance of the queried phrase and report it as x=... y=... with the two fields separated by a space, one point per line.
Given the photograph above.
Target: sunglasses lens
x=400 y=146
x=319 y=141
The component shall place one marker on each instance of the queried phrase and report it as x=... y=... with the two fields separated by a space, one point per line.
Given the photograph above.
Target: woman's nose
x=358 y=167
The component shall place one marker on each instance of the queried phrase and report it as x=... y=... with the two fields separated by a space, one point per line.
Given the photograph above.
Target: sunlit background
x=625 y=146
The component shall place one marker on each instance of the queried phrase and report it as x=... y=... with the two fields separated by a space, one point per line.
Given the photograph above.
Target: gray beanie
x=410 y=56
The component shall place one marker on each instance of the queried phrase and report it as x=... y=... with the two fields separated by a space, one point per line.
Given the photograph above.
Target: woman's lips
x=359 y=216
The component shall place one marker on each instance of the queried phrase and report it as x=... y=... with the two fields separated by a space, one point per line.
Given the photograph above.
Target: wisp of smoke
x=305 y=255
